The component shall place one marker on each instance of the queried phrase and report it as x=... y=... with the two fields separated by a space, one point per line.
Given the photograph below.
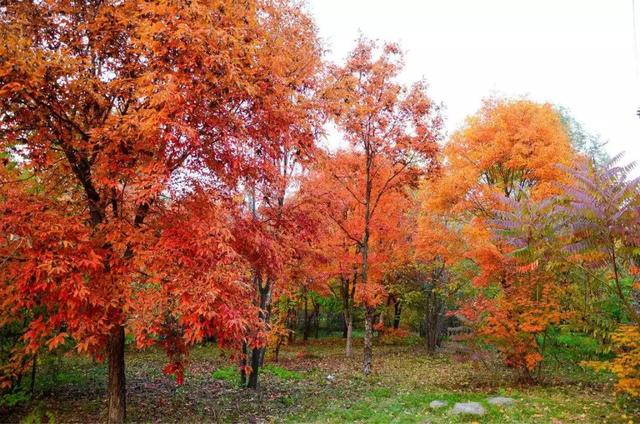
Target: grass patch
x=282 y=373
x=229 y=374
x=537 y=406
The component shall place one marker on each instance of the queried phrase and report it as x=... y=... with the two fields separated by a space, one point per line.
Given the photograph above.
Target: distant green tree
x=583 y=141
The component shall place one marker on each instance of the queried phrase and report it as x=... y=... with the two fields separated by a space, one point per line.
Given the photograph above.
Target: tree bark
x=257 y=355
x=243 y=364
x=256 y=360
x=348 y=293
x=116 y=383
x=349 y=349
x=364 y=250
x=432 y=321
x=368 y=341
x=397 y=311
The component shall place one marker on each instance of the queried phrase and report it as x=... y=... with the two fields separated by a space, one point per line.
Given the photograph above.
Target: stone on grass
x=468 y=408
x=501 y=401
x=435 y=404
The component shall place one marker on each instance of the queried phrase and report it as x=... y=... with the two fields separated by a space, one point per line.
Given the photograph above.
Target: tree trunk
x=305 y=334
x=257 y=355
x=349 y=350
x=116 y=383
x=432 y=321
x=276 y=352
x=348 y=293
x=368 y=341
x=256 y=360
x=243 y=364
x=397 y=308
x=364 y=250
x=293 y=325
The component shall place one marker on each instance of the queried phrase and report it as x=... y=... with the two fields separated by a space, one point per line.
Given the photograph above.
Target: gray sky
x=576 y=53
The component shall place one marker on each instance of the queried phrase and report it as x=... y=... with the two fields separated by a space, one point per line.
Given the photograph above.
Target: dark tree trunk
x=432 y=321
x=367 y=358
x=257 y=355
x=256 y=360
x=243 y=364
x=368 y=341
x=293 y=324
x=116 y=384
x=397 y=311
x=348 y=292
x=276 y=352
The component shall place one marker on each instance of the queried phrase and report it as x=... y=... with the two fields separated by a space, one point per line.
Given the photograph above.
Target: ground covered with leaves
x=315 y=383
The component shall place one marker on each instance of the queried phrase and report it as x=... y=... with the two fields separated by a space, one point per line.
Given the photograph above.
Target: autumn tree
x=604 y=212
x=274 y=230
x=118 y=120
x=511 y=149
x=331 y=185
x=342 y=261
x=589 y=144
x=385 y=122
x=440 y=265
x=536 y=276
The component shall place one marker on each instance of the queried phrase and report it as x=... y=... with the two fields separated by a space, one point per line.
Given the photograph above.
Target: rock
x=331 y=378
x=501 y=401
x=468 y=408
x=435 y=404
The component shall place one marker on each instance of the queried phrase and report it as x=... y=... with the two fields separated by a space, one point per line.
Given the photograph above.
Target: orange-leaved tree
x=123 y=124
x=334 y=183
x=511 y=150
x=441 y=265
x=393 y=128
x=274 y=230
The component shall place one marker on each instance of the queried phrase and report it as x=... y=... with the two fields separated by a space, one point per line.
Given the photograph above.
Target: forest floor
x=314 y=382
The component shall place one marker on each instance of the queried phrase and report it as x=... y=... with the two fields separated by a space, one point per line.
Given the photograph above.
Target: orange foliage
x=135 y=124
x=512 y=149
x=334 y=185
x=626 y=364
x=509 y=147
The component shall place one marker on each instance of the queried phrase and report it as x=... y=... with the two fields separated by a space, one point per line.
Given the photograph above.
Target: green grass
x=229 y=374
x=533 y=406
x=281 y=372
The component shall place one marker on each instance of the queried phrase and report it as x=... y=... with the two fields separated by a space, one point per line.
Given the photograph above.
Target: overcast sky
x=575 y=53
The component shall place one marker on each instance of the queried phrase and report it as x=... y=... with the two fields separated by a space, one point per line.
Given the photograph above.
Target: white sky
x=576 y=53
